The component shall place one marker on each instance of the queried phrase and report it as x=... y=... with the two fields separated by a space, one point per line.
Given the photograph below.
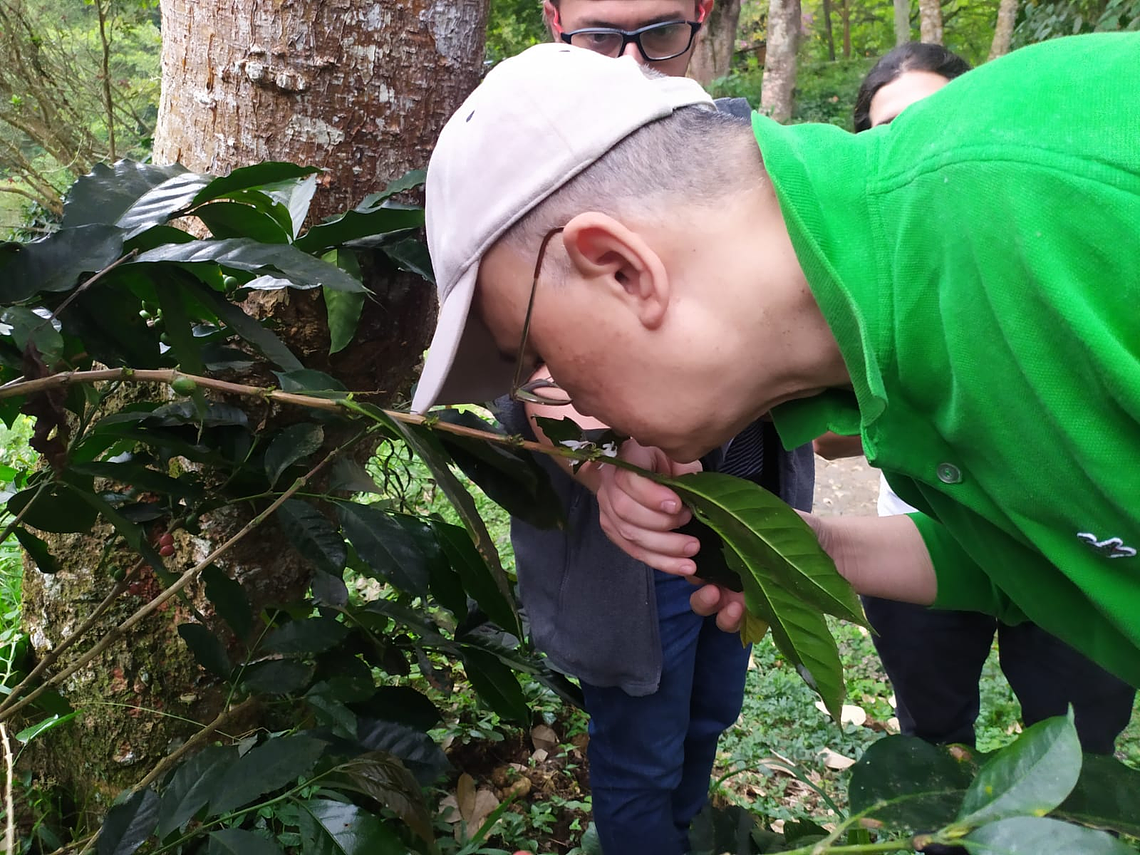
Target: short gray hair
x=693 y=158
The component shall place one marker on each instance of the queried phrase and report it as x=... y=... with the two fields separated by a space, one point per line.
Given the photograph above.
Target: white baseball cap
x=535 y=122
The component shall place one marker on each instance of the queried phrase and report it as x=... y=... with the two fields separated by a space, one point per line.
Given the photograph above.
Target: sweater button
x=948 y=473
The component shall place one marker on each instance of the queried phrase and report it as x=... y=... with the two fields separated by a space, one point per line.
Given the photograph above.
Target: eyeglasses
x=657 y=42
x=541 y=390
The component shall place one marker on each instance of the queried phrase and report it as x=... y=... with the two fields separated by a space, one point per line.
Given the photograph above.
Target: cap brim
x=464 y=365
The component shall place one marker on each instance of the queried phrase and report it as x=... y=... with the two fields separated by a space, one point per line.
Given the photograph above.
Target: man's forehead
x=625 y=14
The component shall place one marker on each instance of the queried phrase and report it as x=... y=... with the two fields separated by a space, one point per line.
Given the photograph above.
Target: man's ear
x=605 y=252
x=550 y=15
x=704 y=9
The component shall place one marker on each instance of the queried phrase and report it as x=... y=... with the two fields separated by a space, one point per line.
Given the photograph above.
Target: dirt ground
x=847 y=486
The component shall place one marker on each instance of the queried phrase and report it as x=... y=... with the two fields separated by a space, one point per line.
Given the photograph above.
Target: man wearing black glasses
x=660 y=683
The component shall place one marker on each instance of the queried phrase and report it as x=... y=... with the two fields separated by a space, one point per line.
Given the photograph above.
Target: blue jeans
x=934 y=659
x=651 y=757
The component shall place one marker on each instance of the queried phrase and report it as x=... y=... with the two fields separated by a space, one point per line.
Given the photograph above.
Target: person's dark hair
x=913 y=56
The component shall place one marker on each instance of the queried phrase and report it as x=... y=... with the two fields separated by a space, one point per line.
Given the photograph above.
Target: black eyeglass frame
x=527 y=393
x=634 y=36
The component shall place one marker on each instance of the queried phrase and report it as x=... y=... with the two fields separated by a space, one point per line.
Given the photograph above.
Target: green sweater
x=978 y=261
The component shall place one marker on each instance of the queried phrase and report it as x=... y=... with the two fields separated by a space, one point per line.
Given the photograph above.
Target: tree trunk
x=902 y=22
x=828 y=34
x=361 y=88
x=779 y=83
x=930 y=21
x=1003 y=31
x=712 y=57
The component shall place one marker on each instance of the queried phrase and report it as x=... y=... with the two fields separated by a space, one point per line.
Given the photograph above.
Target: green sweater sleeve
x=962 y=584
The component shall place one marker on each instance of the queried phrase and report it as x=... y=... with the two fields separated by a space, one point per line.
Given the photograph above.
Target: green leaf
x=57 y=262
x=274 y=764
x=358 y=223
x=387 y=781
x=229 y=599
x=385 y=546
x=192 y=785
x=29 y=326
x=128 y=824
x=162 y=203
x=919 y=785
x=496 y=684
x=770 y=538
x=410 y=254
x=312 y=535
x=106 y=192
x=237 y=841
x=416 y=749
x=308 y=381
x=294 y=443
x=50 y=723
x=1032 y=835
x=1030 y=777
x=252 y=177
x=295 y=197
x=444 y=581
x=478 y=579
x=349 y=476
x=38 y=551
x=268 y=344
x=501 y=607
x=207 y=649
x=405 y=705
x=344 y=310
x=58 y=510
x=1107 y=796
x=278 y=676
x=410 y=180
x=800 y=632
x=252 y=256
x=509 y=476
x=184 y=347
x=235 y=220
x=337 y=828
x=142 y=477
x=306 y=637
x=332 y=713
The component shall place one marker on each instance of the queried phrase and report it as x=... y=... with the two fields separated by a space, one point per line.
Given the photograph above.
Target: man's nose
x=632 y=50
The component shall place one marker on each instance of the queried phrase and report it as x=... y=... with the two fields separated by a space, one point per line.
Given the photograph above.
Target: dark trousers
x=651 y=757
x=934 y=659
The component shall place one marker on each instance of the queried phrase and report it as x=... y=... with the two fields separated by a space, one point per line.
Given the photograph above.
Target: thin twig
x=184 y=580
x=192 y=743
x=9 y=806
x=71 y=297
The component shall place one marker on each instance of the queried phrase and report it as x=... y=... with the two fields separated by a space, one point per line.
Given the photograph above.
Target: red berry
x=166 y=540
x=168 y=549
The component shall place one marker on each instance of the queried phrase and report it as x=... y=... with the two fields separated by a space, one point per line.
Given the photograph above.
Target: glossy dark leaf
x=235 y=220
x=32 y=327
x=496 y=684
x=237 y=841
x=920 y=786
x=416 y=750
x=404 y=705
x=387 y=781
x=106 y=192
x=295 y=197
x=329 y=589
x=207 y=649
x=344 y=309
x=306 y=637
x=143 y=477
x=444 y=581
x=58 y=510
x=278 y=676
x=478 y=579
x=772 y=540
x=252 y=256
x=294 y=443
x=345 y=676
x=722 y=830
x=274 y=764
x=509 y=476
x=387 y=549
x=304 y=380
x=252 y=178
x=410 y=254
x=358 y=223
x=184 y=347
x=128 y=824
x=410 y=180
x=162 y=203
x=58 y=262
x=312 y=535
x=1030 y=777
x=192 y=786
x=351 y=477
x=38 y=551
x=337 y=828
x=1107 y=795
x=106 y=320
x=332 y=713
x=1034 y=835
x=230 y=600
x=502 y=607
x=266 y=342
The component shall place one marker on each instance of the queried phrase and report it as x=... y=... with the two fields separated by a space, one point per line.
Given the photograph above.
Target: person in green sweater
x=960 y=288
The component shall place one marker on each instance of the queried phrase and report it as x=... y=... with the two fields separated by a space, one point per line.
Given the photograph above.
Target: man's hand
x=728 y=606
x=639 y=515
